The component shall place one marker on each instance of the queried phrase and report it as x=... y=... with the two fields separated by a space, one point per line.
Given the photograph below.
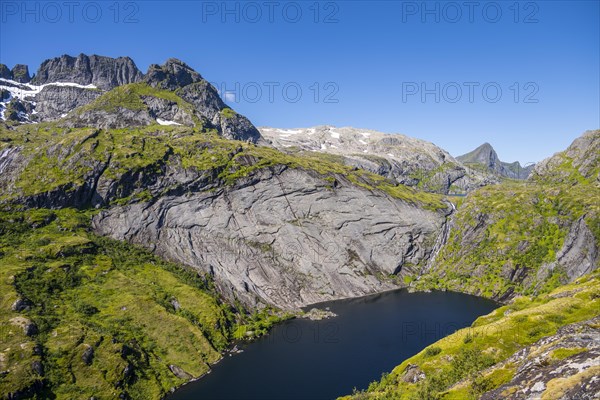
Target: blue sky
x=523 y=77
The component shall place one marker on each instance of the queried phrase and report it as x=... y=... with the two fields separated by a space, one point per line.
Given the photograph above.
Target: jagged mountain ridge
x=65 y=84
x=486 y=156
x=408 y=161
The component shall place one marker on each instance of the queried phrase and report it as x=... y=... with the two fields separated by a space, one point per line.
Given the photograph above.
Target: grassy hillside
x=476 y=360
x=85 y=316
x=505 y=239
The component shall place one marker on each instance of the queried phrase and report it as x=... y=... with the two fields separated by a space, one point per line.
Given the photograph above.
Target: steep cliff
x=103 y=72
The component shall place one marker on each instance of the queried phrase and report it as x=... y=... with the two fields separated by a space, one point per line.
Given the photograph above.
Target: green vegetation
x=109 y=317
x=228 y=113
x=503 y=235
x=471 y=361
x=132 y=97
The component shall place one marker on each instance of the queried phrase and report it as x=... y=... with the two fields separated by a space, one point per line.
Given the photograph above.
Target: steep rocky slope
x=284 y=237
x=485 y=157
x=409 y=161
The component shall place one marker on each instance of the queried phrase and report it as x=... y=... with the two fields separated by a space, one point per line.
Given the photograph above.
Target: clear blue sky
x=374 y=58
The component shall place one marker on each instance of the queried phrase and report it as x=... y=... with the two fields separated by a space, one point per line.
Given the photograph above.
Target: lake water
x=302 y=359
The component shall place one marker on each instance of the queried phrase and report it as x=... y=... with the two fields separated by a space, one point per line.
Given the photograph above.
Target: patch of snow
x=164 y=122
x=365 y=151
x=365 y=134
x=334 y=147
x=63 y=115
x=323 y=146
x=289 y=131
x=362 y=141
x=32 y=90
x=390 y=155
x=334 y=134
x=311 y=131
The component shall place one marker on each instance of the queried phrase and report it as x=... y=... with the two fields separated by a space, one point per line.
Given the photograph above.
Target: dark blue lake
x=302 y=359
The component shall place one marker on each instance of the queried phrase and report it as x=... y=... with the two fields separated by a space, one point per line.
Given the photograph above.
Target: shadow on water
x=302 y=359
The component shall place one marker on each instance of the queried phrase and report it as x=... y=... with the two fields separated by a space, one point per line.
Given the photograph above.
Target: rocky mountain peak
x=484 y=154
x=104 y=72
x=19 y=73
x=173 y=74
x=5 y=72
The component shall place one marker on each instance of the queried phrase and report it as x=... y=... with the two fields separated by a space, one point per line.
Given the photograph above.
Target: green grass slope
x=505 y=239
x=101 y=318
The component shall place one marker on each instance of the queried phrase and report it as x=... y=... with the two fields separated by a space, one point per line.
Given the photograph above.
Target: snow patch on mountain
x=165 y=122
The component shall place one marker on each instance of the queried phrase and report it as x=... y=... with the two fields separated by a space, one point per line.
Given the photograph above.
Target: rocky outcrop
x=172 y=75
x=579 y=254
x=55 y=102
x=579 y=161
x=5 y=73
x=104 y=72
x=486 y=157
x=20 y=73
x=562 y=366
x=282 y=237
x=177 y=76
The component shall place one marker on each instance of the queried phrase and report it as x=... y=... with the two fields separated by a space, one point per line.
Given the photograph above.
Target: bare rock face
x=5 y=73
x=20 y=73
x=579 y=254
x=283 y=238
x=543 y=373
x=104 y=72
x=174 y=74
x=54 y=102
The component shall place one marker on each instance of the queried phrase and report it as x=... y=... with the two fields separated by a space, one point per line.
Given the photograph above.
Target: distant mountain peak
x=486 y=156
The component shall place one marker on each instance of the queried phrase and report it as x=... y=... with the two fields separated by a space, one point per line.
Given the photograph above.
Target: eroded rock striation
x=283 y=238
